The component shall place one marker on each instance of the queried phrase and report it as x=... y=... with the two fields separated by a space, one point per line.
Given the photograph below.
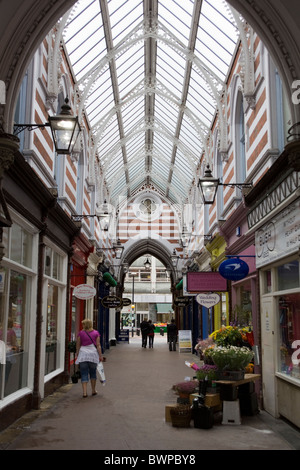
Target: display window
x=289 y=327
x=285 y=288
x=55 y=319
x=242 y=310
x=17 y=280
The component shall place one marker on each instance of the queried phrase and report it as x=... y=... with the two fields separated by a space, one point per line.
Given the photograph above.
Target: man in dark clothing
x=172 y=335
x=144 y=329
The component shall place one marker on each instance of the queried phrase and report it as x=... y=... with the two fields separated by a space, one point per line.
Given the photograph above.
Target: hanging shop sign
x=126 y=302
x=84 y=292
x=205 y=282
x=280 y=237
x=111 y=301
x=181 y=301
x=208 y=300
x=234 y=269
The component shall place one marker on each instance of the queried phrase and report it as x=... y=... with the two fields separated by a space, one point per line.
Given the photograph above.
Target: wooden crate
x=211 y=399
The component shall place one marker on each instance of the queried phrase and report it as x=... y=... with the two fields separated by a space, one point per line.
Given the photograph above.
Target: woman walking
x=151 y=333
x=88 y=351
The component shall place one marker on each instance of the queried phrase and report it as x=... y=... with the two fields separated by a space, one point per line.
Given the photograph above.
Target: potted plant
x=72 y=349
x=209 y=371
x=231 y=359
x=227 y=336
x=203 y=349
x=184 y=389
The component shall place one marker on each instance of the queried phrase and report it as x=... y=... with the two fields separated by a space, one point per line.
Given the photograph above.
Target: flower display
x=227 y=335
x=231 y=357
x=207 y=370
x=187 y=387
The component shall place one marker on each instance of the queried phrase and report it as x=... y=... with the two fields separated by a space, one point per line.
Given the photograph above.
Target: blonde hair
x=87 y=324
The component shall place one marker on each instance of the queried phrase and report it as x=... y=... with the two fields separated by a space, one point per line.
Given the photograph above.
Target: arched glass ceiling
x=150 y=74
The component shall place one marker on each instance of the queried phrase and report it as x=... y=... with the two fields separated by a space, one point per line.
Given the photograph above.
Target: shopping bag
x=100 y=371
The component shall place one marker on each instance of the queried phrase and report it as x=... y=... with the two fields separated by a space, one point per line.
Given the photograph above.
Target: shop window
x=53 y=264
x=267 y=287
x=54 y=272
x=289 y=326
x=243 y=310
x=16 y=284
x=288 y=276
x=14 y=326
x=20 y=246
x=52 y=344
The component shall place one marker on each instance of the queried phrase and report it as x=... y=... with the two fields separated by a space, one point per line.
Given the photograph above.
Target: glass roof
x=150 y=73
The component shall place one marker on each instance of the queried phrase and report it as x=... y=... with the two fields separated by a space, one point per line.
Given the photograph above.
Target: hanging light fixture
x=174 y=258
x=209 y=186
x=147 y=263
x=118 y=249
x=65 y=129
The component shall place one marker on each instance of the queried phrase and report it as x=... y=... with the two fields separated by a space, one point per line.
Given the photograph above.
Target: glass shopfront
x=17 y=278
x=55 y=319
x=289 y=319
x=282 y=281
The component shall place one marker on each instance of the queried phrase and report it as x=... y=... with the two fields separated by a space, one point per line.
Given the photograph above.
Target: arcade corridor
x=128 y=414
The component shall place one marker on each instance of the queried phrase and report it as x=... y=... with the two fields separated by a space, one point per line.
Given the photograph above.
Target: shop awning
x=107 y=277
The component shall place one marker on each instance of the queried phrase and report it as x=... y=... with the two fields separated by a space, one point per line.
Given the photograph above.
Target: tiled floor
x=128 y=414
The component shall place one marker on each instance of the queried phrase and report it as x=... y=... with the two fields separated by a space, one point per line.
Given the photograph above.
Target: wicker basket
x=181 y=416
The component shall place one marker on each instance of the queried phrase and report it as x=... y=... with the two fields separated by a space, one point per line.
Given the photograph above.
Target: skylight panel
x=135 y=147
x=133 y=115
x=177 y=17
x=137 y=169
x=119 y=188
x=130 y=68
x=163 y=145
x=162 y=169
x=170 y=69
x=124 y=17
x=177 y=183
x=169 y=121
x=191 y=140
x=115 y=102
x=115 y=164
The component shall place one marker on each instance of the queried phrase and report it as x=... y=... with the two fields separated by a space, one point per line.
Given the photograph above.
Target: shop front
x=33 y=293
x=82 y=249
x=242 y=277
x=217 y=249
x=275 y=218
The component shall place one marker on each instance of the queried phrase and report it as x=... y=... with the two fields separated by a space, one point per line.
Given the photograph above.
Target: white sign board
x=84 y=292
x=280 y=236
x=208 y=300
x=185 y=340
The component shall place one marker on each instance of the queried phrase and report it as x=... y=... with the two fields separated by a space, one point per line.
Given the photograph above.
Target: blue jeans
x=86 y=369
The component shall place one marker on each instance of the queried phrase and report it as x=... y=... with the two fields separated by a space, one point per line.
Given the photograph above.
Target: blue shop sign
x=234 y=269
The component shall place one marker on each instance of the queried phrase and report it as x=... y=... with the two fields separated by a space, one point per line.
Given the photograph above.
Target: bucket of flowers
x=231 y=361
x=210 y=373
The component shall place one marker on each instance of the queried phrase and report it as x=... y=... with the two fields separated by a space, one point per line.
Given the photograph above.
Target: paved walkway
x=128 y=414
